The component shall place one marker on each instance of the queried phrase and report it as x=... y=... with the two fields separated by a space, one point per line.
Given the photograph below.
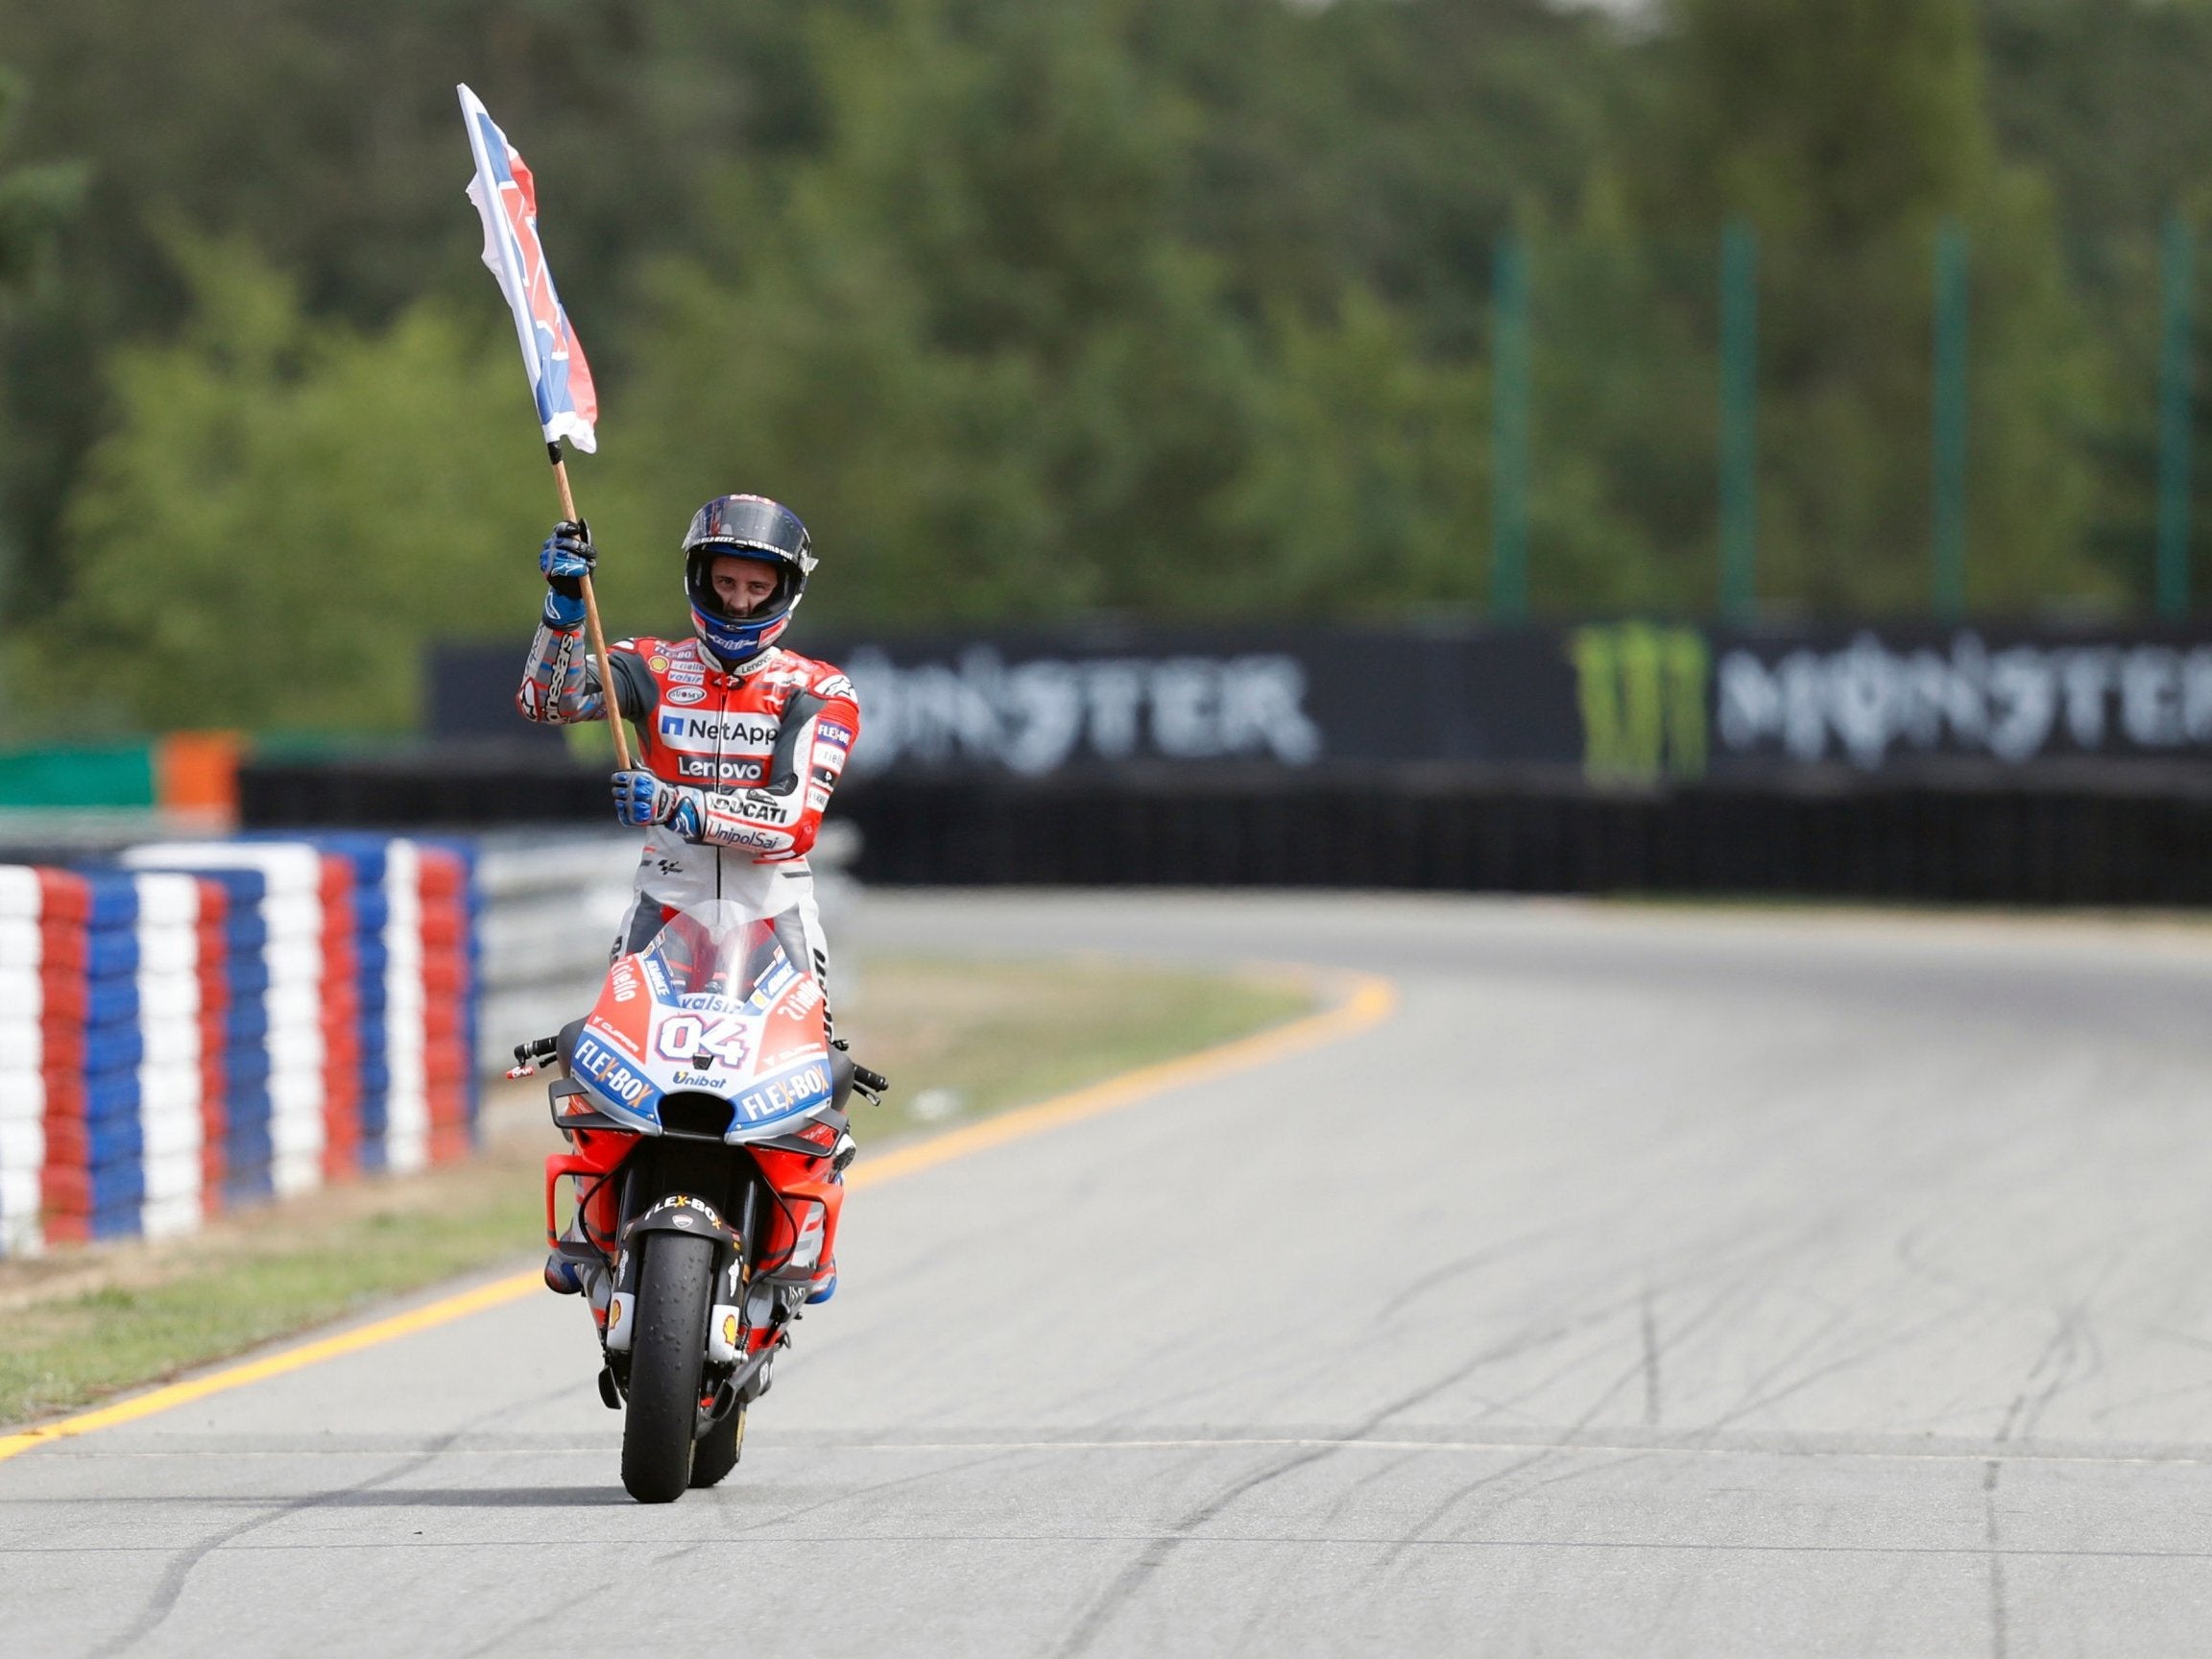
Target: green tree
x=328 y=138
x=1386 y=143
x=1368 y=482
x=284 y=512
x=965 y=341
x=1846 y=133
x=2105 y=98
x=36 y=200
x=1156 y=305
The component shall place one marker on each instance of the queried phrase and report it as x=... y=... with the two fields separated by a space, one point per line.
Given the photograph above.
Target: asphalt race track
x=1654 y=1282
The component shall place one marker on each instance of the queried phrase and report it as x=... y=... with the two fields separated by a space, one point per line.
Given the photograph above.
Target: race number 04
x=685 y=1035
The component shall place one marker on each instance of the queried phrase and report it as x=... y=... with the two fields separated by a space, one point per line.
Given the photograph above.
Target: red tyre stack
x=45 y=1184
x=448 y=992
x=214 y=1039
x=64 y=926
x=341 y=1021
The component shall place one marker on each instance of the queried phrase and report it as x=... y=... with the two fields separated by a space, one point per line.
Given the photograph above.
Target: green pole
x=1948 y=518
x=1509 y=432
x=2174 y=398
x=1739 y=420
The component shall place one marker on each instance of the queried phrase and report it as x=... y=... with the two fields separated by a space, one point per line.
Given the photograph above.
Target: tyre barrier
x=552 y=905
x=203 y=1025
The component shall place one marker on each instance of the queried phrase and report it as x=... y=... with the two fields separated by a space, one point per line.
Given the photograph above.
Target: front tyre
x=719 y=1449
x=675 y=1292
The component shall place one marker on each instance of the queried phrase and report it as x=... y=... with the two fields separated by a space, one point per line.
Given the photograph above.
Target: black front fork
x=726 y=1186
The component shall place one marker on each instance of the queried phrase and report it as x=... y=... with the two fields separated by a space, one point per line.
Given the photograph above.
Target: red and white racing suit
x=700 y=727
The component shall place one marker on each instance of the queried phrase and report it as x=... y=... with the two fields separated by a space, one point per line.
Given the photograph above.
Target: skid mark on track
x=1358 y=1486
x=2000 y=1643
x=2052 y=1372
x=1854 y=1357
x=1490 y=1255
x=726 y=1496
x=1724 y=1293
x=170 y=1590
x=165 y=1596
x=1695 y=1443
x=533 y=1545
x=1736 y=1274
x=509 y=1640
x=1130 y=1581
x=1496 y=1478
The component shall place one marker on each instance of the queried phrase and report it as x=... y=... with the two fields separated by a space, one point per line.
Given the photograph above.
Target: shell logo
x=614 y=1315
x=730 y=1328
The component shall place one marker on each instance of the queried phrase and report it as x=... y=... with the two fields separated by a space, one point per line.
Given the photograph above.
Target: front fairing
x=712 y=1006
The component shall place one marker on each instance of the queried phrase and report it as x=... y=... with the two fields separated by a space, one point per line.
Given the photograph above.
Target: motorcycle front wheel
x=675 y=1291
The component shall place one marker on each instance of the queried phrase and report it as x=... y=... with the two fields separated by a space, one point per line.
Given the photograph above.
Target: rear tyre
x=719 y=1449
x=675 y=1291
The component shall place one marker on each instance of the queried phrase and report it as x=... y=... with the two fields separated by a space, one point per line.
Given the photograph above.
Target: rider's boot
x=564 y=1278
x=825 y=1282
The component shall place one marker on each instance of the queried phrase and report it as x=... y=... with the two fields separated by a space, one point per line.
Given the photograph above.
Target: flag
x=506 y=199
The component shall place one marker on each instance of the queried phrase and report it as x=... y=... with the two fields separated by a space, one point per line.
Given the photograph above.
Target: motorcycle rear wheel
x=675 y=1291
x=719 y=1449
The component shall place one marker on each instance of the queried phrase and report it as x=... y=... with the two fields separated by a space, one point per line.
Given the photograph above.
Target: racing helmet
x=744 y=527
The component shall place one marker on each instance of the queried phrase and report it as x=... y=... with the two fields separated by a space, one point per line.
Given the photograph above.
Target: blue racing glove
x=567 y=559
x=643 y=800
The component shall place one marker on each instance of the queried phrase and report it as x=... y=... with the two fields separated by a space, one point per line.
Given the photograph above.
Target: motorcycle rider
x=739 y=741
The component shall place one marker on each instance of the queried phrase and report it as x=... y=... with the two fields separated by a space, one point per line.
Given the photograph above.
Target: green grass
x=85 y=1323
x=164 y=1308
x=993 y=1035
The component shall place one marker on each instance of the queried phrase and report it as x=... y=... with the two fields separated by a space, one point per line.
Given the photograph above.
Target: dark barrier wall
x=1891 y=842
x=2022 y=764
x=1610 y=702
x=1899 y=841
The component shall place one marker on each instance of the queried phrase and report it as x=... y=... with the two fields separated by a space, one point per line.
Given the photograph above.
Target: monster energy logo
x=1642 y=691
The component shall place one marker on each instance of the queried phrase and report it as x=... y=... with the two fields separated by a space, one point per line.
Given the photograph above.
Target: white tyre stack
x=292 y=911
x=22 y=1057
x=170 y=1119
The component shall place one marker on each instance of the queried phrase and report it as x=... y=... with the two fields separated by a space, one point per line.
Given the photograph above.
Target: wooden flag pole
x=598 y=637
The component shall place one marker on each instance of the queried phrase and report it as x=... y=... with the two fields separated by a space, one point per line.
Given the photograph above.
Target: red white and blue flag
x=506 y=198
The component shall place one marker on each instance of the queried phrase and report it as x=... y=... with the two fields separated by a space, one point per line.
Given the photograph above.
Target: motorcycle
x=703 y=1105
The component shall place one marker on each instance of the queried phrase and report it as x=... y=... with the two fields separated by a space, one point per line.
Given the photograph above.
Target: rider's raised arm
x=560 y=683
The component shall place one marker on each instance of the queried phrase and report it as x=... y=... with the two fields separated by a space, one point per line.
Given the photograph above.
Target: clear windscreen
x=721 y=949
